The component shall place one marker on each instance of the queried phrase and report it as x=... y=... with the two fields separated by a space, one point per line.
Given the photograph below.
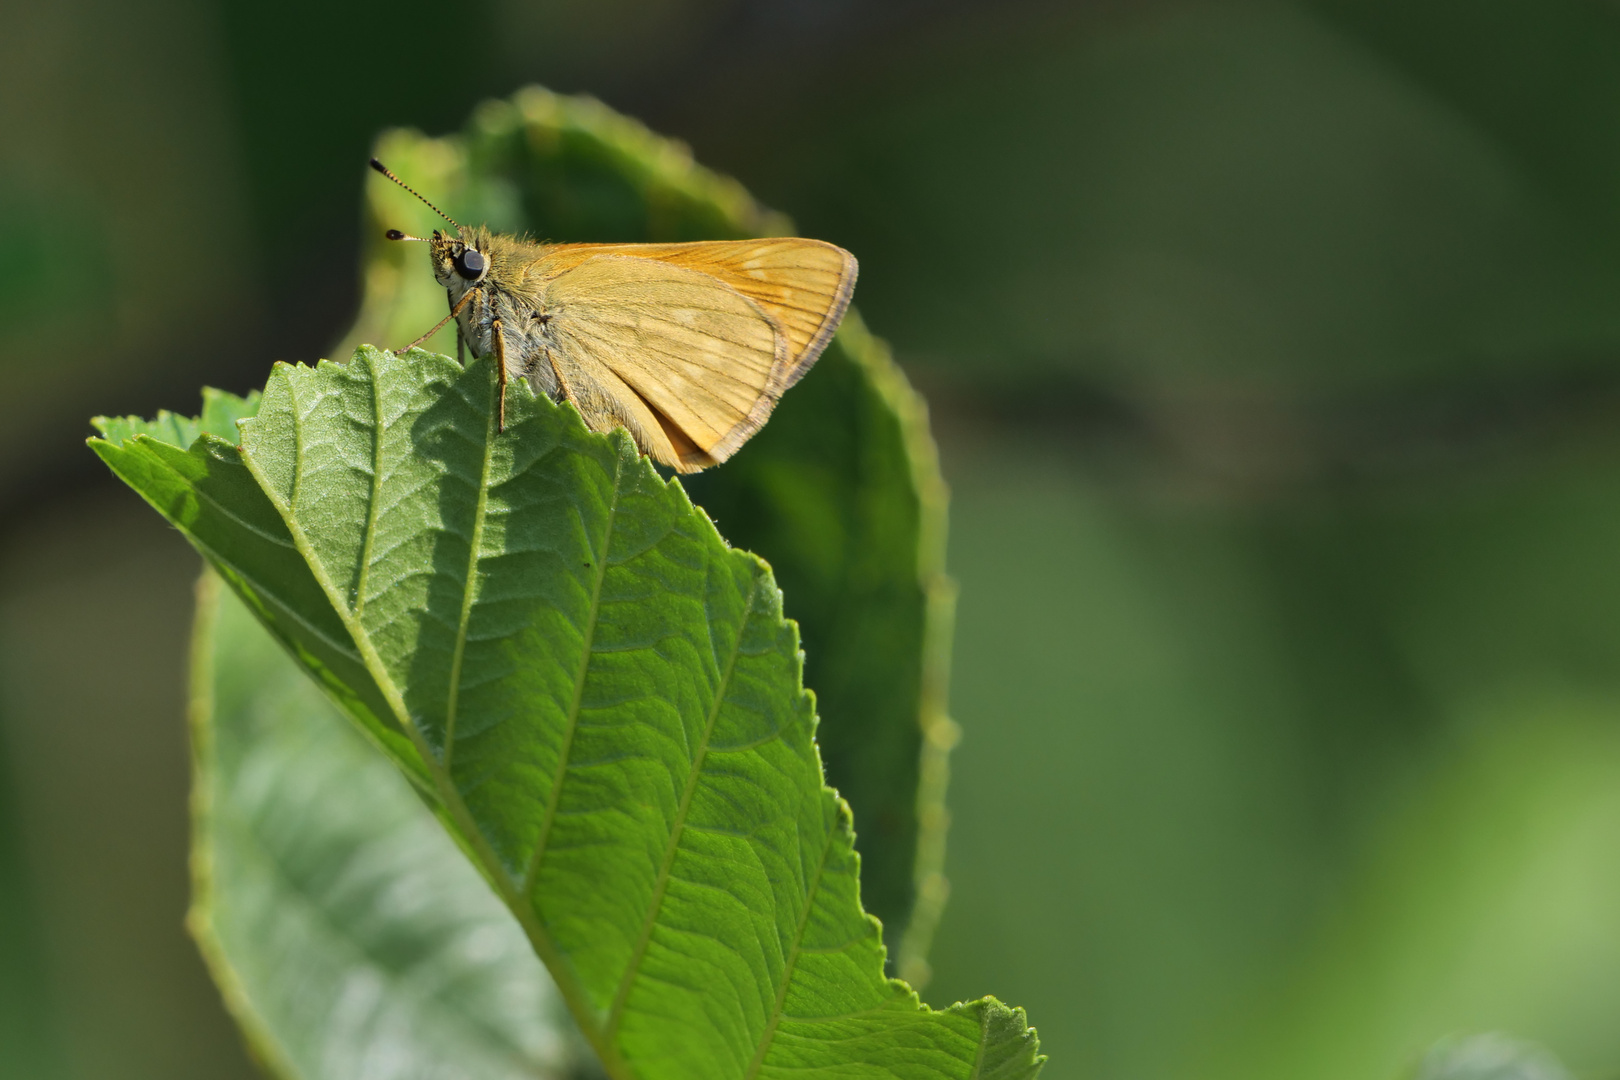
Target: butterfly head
x=460 y=262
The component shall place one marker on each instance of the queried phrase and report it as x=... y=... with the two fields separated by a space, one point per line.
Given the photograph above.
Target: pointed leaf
x=606 y=701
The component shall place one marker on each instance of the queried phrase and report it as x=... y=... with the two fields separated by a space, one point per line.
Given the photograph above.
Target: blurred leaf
x=1489 y=1057
x=840 y=492
x=350 y=937
x=600 y=696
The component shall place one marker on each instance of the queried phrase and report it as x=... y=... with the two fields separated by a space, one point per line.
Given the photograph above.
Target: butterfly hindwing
x=689 y=364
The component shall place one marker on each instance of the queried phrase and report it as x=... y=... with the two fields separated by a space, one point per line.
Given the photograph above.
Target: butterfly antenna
x=380 y=167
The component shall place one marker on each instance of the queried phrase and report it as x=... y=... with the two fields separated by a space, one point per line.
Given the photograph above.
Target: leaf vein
x=372 y=511
x=792 y=960
x=644 y=939
x=588 y=631
x=468 y=591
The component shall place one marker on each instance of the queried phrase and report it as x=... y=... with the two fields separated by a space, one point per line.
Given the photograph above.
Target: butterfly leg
x=461 y=343
x=500 y=364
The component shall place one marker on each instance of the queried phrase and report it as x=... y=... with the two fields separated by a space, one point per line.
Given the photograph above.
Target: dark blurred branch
x=1243 y=441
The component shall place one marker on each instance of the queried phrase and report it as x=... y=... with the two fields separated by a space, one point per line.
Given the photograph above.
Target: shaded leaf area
x=840 y=492
x=601 y=698
x=351 y=939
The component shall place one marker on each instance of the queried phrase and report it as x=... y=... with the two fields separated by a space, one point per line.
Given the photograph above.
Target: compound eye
x=471 y=264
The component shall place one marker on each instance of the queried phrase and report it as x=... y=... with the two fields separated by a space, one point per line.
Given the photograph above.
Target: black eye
x=471 y=264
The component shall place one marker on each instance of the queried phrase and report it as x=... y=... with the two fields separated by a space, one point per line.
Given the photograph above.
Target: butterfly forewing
x=804 y=285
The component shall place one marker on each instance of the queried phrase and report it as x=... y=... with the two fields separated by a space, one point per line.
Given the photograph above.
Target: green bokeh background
x=1274 y=354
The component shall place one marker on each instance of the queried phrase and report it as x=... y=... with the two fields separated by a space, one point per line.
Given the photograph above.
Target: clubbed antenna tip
x=380 y=167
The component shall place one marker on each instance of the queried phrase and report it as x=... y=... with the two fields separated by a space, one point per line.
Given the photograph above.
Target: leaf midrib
x=622 y=996
x=372 y=509
x=792 y=962
x=984 y=1044
x=468 y=592
x=565 y=748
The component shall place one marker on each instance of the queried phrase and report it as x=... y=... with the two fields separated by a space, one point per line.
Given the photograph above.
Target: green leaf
x=840 y=492
x=220 y=414
x=350 y=937
x=602 y=698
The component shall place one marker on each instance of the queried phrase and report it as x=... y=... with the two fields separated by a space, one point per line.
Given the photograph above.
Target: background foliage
x=1273 y=355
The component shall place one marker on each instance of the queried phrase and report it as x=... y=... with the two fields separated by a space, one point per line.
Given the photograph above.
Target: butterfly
x=686 y=346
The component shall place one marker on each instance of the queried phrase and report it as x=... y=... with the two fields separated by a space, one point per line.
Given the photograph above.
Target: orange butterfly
x=686 y=346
